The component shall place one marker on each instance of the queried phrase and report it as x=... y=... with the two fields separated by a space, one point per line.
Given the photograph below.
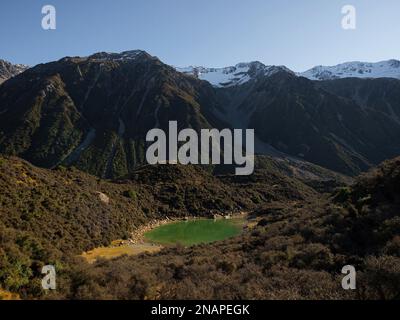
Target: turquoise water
x=195 y=231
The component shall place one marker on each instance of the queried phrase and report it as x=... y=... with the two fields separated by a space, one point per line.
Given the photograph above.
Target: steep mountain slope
x=9 y=70
x=315 y=122
x=380 y=95
x=383 y=69
x=94 y=112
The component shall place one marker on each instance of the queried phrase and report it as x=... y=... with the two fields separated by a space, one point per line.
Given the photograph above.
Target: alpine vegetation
x=183 y=147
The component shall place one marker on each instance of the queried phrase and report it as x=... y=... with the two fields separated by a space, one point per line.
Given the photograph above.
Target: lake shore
x=137 y=243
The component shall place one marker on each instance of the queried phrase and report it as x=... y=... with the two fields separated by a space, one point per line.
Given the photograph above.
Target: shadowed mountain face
x=345 y=125
x=94 y=113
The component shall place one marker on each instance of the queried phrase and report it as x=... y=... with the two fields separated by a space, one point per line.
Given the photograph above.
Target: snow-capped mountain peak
x=356 y=69
x=233 y=75
x=9 y=70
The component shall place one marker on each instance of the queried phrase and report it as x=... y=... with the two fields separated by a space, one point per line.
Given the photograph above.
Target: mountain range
x=243 y=72
x=94 y=112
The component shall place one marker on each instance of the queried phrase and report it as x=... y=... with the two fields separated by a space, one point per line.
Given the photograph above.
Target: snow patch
x=234 y=75
x=356 y=69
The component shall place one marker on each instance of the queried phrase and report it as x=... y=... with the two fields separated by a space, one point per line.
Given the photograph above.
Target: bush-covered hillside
x=50 y=216
x=296 y=251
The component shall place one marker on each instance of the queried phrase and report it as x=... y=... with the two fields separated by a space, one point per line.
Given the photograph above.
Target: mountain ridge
x=9 y=70
x=242 y=72
x=355 y=69
x=239 y=73
x=233 y=75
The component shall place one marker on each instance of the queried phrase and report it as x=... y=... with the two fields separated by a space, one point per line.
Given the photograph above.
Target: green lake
x=193 y=232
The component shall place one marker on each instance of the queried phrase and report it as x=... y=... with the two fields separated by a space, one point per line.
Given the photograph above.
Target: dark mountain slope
x=381 y=95
x=94 y=112
x=317 y=122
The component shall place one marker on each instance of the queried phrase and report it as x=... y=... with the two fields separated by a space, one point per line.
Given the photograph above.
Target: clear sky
x=214 y=33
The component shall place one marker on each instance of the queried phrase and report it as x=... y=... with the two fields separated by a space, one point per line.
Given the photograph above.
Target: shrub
x=342 y=195
x=131 y=194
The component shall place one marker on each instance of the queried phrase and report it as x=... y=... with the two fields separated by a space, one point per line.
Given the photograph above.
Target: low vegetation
x=296 y=251
x=52 y=216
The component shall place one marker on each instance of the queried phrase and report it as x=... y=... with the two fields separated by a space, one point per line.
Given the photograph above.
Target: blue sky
x=295 y=33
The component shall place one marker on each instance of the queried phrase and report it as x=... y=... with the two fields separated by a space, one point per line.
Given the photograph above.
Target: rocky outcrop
x=9 y=70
